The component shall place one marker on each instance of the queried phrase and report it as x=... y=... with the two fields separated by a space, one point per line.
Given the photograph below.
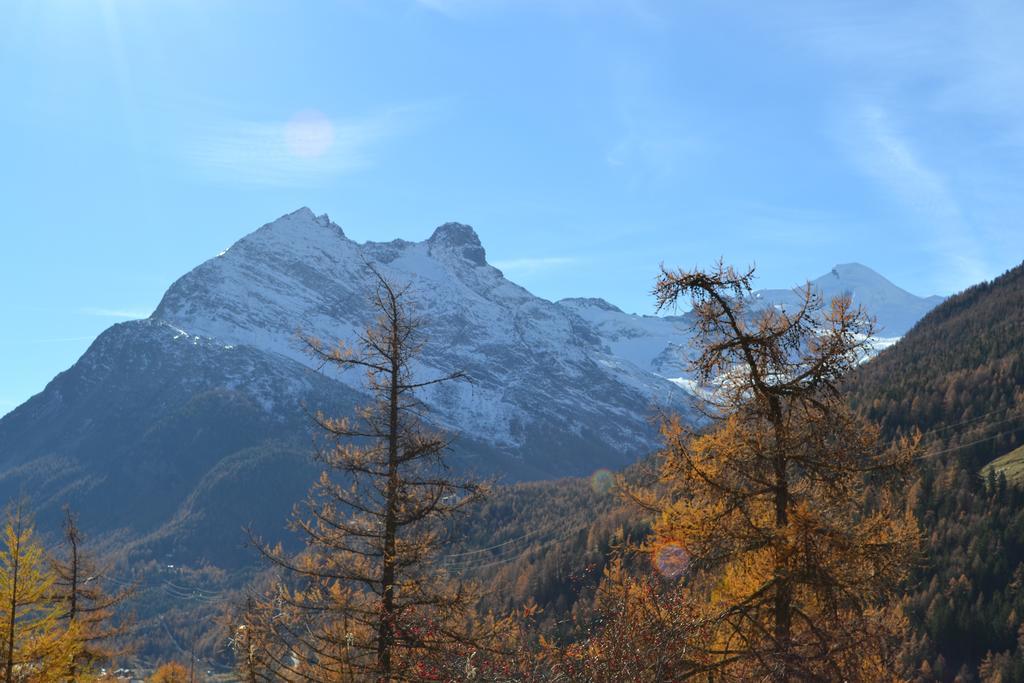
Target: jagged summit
x=301 y=218
x=296 y=232
x=461 y=239
x=455 y=234
x=204 y=407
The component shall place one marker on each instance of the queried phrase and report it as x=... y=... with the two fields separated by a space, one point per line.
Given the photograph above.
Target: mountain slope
x=172 y=432
x=660 y=344
x=958 y=376
x=896 y=310
x=140 y=423
x=522 y=352
x=962 y=365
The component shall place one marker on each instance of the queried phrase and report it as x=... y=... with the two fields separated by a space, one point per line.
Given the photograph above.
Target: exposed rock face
x=171 y=433
x=176 y=430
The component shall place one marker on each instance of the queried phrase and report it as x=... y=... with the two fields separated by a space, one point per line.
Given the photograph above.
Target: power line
x=505 y=560
x=535 y=532
x=972 y=443
x=968 y=421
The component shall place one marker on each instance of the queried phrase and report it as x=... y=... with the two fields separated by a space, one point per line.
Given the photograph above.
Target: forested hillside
x=547 y=543
x=958 y=377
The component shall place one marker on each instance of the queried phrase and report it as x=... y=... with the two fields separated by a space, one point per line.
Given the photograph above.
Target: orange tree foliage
x=171 y=672
x=778 y=519
x=34 y=646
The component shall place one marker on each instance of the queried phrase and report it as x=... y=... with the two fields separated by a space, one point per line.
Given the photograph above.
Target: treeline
x=958 y=376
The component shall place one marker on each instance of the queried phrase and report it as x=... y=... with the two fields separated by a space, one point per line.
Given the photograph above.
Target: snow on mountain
x=658 y=344
x=528 y=358
x=895 y=309
x=301 y=273
x=196 y=419
x=661 y=344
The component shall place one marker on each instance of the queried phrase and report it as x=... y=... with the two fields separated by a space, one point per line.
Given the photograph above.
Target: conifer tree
x=88 y=610
x=778 y=517
x=366 y=600
x=251 y=662
x=33 y=644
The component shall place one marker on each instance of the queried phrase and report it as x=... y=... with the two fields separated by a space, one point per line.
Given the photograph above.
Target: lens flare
x=309 y=134
x=602 y=481
x=670 y=560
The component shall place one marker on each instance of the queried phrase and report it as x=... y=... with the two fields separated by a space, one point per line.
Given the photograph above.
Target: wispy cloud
x=534 y=264
x=302 y=150
x=886 y=154
x=928 y=104
x=113 y=312
x=959 y=57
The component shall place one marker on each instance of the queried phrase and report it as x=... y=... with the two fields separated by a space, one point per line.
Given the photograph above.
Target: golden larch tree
x=779 y=515
x=171 y=672
x=34 y=645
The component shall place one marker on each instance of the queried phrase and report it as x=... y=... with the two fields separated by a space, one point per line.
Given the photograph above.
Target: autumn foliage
x=171 y=672
x=776 y=522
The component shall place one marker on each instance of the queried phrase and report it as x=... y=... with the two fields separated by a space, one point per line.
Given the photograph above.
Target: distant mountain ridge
x=195 y=420
x=895 y=309
x=660 y=344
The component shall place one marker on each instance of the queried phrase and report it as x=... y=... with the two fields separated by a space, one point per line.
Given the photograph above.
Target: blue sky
x=586 y=140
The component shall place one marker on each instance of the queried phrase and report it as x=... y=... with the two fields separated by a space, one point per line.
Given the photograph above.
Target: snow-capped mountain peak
x=895 y=309
x=203 y=406
x=659 y=344
x=300 y=273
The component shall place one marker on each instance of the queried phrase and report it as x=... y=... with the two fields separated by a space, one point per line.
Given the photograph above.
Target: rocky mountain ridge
x=171 y=433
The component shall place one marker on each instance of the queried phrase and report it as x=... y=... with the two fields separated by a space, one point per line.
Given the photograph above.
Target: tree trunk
x=73 y=607
x=386 y=632
x=16 y=562
x=783 y=592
